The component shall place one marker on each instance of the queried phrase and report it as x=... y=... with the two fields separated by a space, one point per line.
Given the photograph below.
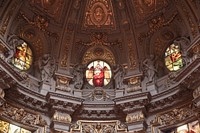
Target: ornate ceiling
x=72 y=34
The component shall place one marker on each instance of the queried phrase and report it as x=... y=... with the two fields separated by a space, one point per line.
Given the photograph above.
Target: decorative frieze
x=174 y=116
x=134 y=117
x=22 y=116
x=62 y=117
x=99 y=127
x=62 y=83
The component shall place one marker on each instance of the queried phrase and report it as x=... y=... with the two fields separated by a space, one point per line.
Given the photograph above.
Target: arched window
x=98 y=73
x=22 y=57
x=173 y=58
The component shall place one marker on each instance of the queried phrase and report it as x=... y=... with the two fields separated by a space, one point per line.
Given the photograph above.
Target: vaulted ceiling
x=72 y=30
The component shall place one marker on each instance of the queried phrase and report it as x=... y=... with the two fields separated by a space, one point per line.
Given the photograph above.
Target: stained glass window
x=22 y=57
x=98 y=73
x=192 y=127
x=173 y=58
x=6 y=127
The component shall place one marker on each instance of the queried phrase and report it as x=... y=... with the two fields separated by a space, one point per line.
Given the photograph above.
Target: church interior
x=99 y=66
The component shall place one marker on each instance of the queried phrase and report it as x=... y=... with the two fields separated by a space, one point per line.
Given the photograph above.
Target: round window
x=98 y=73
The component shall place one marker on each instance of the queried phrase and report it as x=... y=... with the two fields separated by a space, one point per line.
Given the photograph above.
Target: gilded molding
x=174 y=116
x=99 y=126
x=156 y=24
x=134 y=117
x=99 y=13
x=21 y=116
x=62 y=117
x=132 y=57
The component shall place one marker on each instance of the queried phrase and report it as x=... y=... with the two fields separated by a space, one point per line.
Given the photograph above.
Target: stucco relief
x=99 y=13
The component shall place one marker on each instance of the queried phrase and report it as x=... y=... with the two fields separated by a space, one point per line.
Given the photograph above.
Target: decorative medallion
x=99 y=13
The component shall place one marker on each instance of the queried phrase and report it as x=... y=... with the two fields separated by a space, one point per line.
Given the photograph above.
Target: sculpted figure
x=47 y=67
x=78 y=76
x=183 y=43
x=119 y=74
x=13 y=42
x=149 y=68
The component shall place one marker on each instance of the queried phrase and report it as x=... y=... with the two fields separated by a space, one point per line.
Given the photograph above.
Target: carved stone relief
x=98 y=49
x=21 y=116
x=32 y=36
x=143 y=8
x=99 y=13
x=99 y=127
x=62 y=117
x=174 y=116
x=52 y=7
x=156 y=24
x=62 y=83
x=134 y=117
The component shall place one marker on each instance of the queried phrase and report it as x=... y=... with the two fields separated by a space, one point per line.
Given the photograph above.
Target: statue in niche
x=119 y=74
x=78 y=76
x=46 y=67
x=13 y=42
x=149 y=68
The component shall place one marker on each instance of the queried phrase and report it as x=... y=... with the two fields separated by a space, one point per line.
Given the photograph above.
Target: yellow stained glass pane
x=4 y=126
x=23 y=57
x=14 y=129
x=25 y=131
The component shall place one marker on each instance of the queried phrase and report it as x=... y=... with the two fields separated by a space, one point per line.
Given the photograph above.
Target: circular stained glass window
x=98 y=73
x=173 y=58
x=22 y=57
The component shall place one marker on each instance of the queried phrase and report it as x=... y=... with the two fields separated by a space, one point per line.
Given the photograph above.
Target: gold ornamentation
x=30 y=35
x=99 y=13
x=52 y=7
x=134 y=80
x=174 y=116
x=130 y=118
x=99 y=49
x=64 y=60
x=4 y=126
x=143 y=8
x=155 y=24
x=21 y=115
x=132 y=59
x=40 y=22
x=98 y=127
x=91 y=55
x=62 y=117
x=8 y=17
x=62 y=83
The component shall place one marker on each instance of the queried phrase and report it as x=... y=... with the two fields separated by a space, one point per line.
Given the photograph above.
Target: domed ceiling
x=69 y=42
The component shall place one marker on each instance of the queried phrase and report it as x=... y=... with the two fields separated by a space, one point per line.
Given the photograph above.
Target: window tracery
x=98 y=73
x=173 y=57
x=22 y=57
